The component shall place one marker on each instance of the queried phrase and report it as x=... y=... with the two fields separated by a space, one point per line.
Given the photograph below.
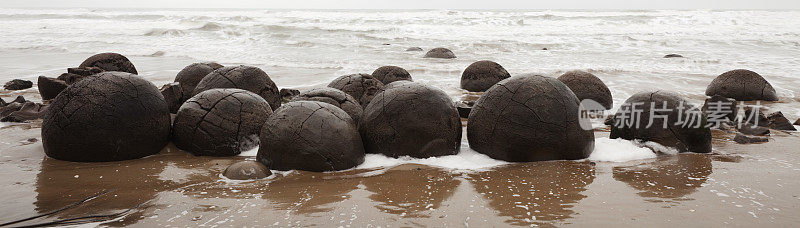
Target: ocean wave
x=165 y=32
x=211 y=26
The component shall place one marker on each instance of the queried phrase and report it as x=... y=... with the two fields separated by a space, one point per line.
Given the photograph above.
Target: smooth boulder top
x=529 y=118
x=389 y=74
x=694 y=137
x=482 y=75
x=440 y=53
x=362 y=87
x=411 y=119
x=247 y=170
x=335 y=97
x=742 y=85
x=243 y=77
x=587 y=86
x=110 y=116
x=220 y=122
x=110 y=62
x=192 y=74
x=311 y=136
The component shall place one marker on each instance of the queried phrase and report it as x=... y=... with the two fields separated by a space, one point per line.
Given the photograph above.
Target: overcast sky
x=412 y=4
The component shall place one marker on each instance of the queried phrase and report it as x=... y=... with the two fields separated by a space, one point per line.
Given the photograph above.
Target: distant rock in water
x=750 y=129
x=18 y=84
x=192 y=74
x=779 y=122
x=362 y=87
x=243 y=77
x=335 y=97
x=110 y=62
x=110 y=116
x=587 y=86
x=481 y=75
x=742 y=85
x=673 y=56
x=49 y=88
x=247 y=170
x=744 y=139
x=414 y=49
x=440 y=53
x=389 y=74
x=529 y=118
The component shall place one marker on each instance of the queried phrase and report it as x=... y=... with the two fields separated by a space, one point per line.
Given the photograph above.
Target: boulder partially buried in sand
x=587 y=86
x=220 y=122
x=742 y=85
x=311 y=136
x=247 y=170
x=481 y=75
x=110 y=62
x=335 y=97
x=389 y=74
x=18 y=84
x=411 y=119
x=110 y=116
x=676 y=123
x=362 y=87
x=242 y=77
x=49 y=88
x=529 y=118
x=192 y=74
x=440 y=53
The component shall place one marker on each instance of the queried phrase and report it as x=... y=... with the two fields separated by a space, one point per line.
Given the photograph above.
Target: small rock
x=247 y=170
x=70 y=78
x=10 y=108
x=759 y=120
x=19 y=99
x=463 y=109
x=673 y=56
x=18 y=84
x=609 y=120
x=743 y=139
x=2 y=103
x=797 y=122
x=288 y=94
x=721 y=105
x=779 y=122
x=172 y=94
x=49 y=88
x=544 y=49
x=414 y=49
x=440 y=53
x=28 y=111
x=750 y=129
x=84 y=71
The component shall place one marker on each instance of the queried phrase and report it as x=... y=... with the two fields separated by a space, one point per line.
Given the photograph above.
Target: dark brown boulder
x=311 y=136
x=192 y=74
x=172 y=95
x=70 y=78
x=724 y=108
x=110 y=116
x=749 y=129
x=362 y=87
x=411 y=119
x=288 y=94
x=49 y=88
x=220 y=122
x=481 y=75
x=779 y=122
x=247 y=170
x=28 y=111
x=440 y=53
x=744 y=139
x=110 y=62
x=529 y=118
x=10 y=108
x=85 y=71
x=243 y=77
x=389 y=74
x=587 y=86
x=18 y=84
x=797 y=122
x=742 y=85
x=690 y=136
x=464 y=108
x=336 y=98
x=755 y=117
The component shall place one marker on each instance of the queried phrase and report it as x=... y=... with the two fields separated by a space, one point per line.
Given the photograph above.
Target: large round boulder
x=674 y=123
x=411 y=119
x=311 y=136
x=243 y=77
x=440 y=53
x=191 y=75
x=742 y=85
x=109 y=116
x=220 y=122
x=529 y=118
x=389 y=74
x=363 y=87
x=110 y=62
x=481 y=75
x=335 y=97
x=587 y=86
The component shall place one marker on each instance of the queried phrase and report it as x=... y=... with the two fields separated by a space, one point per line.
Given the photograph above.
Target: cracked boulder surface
x=482 y=75
x=411 y=119
x=689 y=138
x=362 y=87
x=389 y=74
x=587 y=86
x=220 y=122
x=310 y=136
x=335 y=97
x=243 y=77
x=742 y=85
x=529 y=118
x=440 y=53
x=110 y=116
x=191 y=75
x=110 y=62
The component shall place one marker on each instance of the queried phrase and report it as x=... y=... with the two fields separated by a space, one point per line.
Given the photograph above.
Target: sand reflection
x=669 y=177
x=411 y=190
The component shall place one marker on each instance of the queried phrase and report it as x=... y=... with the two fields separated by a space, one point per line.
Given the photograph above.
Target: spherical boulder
x=440 y=53
x=110 y=62
x=242 y=77
x=191 y=75
x=335 y=97
x=247 y=170
x=481 y=75
x=220 y=122
x=529 y=118
x=674 y=123
x=362 y=87
x=109 y=116
x=411 y=119
x=389 y=74
x=587 y=86
x=311 y=136
x=742 y=85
